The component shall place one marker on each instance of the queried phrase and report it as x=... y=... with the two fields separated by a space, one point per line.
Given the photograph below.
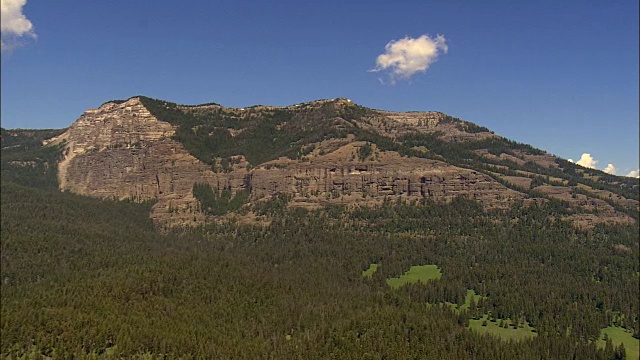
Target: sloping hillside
x=318 y=153
x=278 y=273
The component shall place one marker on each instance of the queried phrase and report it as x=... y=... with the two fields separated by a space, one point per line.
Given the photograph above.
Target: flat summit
x=315 y=153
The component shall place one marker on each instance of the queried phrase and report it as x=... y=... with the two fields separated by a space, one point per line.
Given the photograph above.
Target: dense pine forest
x=86 y=278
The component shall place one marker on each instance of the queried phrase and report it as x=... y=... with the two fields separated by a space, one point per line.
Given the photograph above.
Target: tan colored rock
x=338 y=178
x=395 y=124
x=121 y=151
x=519 y=181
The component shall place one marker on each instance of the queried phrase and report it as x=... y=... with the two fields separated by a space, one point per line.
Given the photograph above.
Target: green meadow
x=523 y=332
x=619 y=336
x=370 y=271
x=471 y=294
x=422 y=273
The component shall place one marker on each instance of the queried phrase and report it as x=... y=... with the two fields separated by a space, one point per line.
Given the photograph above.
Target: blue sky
x=560 y=75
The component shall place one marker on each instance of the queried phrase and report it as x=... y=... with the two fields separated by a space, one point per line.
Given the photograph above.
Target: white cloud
x=15 y=25
x=405 y=57
x=587 y=161
x=610 y=169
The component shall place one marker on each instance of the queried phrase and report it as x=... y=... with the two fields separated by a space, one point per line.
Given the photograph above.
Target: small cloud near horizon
x=14 y=24
x=588 y=161
x=405 y=57
x=610 y=169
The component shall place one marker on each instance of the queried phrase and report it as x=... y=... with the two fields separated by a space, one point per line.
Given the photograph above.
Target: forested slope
x=87 y=278
x=82 y=277
x=216 y=134
x=263 y=133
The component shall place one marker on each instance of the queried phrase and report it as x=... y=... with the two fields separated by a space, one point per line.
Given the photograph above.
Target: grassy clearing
x=471 y=294
x=523 y=332
x=370 y=271
x=422 y=273
x=619 y=335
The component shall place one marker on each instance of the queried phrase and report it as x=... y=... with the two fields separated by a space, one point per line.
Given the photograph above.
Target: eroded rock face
x=335 y=178
x=112 y=126
x=122 y=151
x=605 y=212
x=395 y=124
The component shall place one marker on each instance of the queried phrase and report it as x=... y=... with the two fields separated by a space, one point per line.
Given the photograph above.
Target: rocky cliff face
x=122 y=151
x=338 y=178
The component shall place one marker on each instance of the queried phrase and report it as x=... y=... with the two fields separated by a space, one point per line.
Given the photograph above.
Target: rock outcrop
x=338 y=178
x=122 y=151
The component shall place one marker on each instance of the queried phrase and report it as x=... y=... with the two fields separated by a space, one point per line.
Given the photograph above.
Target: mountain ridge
x=330 y=151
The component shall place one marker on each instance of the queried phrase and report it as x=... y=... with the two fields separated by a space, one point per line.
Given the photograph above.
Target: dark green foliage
x=622 y=185
x=117 y=101
x=537 y=181
x=81 y=277
x=225 y=165
x=364 y=152
x=462 y=125
x=26 y=161
x=387 y=144
x=219 y=202
x=353 y=112
x=462 y=154
x=266 y=134
x=27 y=139
x=306 y=150
x=263 y=134
x=274 y=206
x=47 y=234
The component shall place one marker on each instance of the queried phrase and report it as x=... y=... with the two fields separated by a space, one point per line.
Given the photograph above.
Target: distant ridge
x=330 y=151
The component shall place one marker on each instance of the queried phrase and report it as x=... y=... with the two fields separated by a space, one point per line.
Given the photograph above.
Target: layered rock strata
x=122 y=151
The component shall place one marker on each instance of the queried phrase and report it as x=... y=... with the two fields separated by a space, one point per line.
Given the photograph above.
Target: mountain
x=197 y=161
x=319 y=230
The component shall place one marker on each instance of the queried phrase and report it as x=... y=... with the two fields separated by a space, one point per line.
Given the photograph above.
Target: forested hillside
x=212 y=133
x=26 y=161
x=259 y=133
x=324 y=152
x=86 y=278
x=263 y=133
